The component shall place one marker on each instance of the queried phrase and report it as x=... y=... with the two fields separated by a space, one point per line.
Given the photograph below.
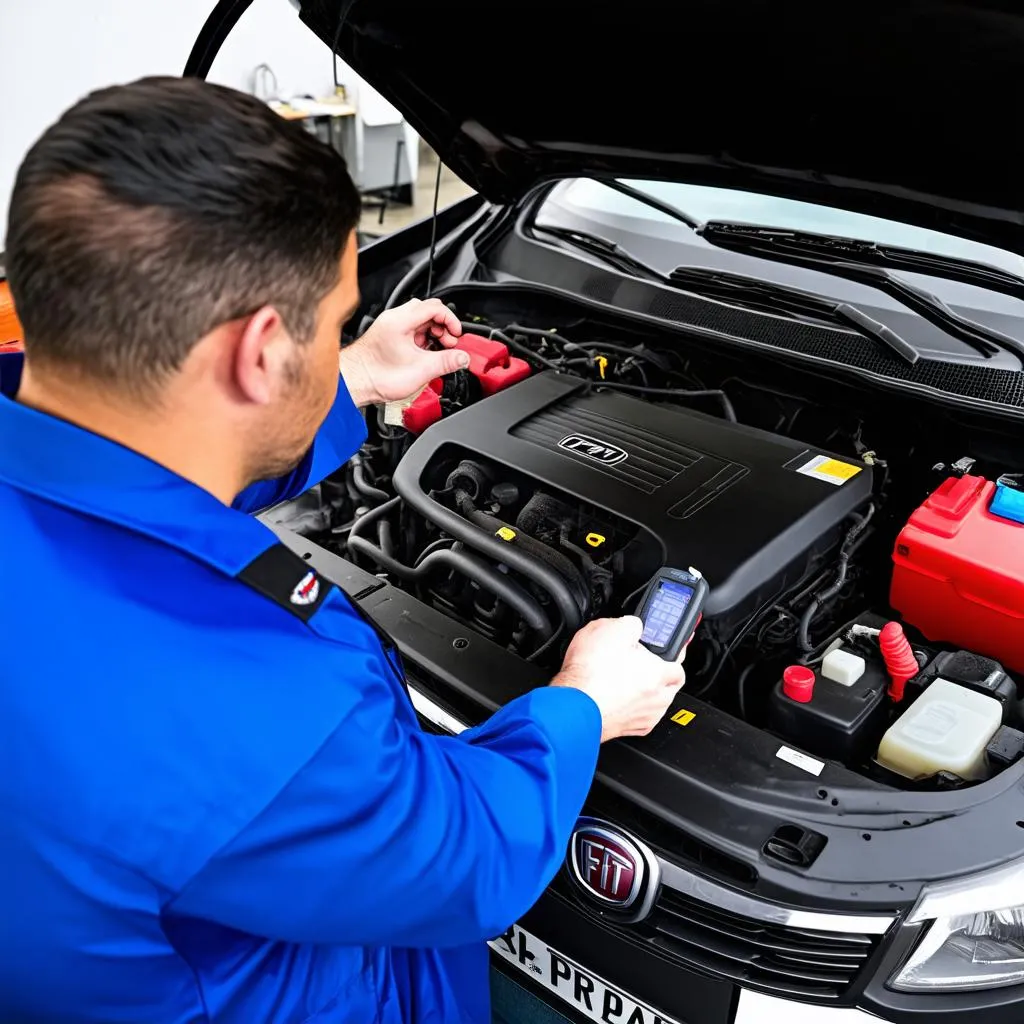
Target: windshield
x=703 y=203
x=664 y=243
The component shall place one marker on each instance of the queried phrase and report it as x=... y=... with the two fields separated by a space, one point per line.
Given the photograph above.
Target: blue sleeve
x=338 y=439
x=392 y=836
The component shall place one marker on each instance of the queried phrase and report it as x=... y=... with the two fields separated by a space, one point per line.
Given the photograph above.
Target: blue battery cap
x=1008 y=503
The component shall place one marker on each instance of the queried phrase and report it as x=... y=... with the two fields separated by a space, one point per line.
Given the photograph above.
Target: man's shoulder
x=168 y=703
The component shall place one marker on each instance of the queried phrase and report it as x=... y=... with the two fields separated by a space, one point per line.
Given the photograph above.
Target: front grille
x=773 y=958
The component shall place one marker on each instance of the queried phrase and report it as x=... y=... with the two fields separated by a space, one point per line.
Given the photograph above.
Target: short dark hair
x=150 y=213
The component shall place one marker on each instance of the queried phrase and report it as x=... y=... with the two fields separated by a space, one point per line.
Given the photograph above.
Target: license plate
x=585 y=991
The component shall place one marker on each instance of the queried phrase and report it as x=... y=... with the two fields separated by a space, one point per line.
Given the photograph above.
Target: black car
x=743 y=289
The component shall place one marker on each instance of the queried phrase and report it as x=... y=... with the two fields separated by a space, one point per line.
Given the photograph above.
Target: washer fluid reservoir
x=946 y=729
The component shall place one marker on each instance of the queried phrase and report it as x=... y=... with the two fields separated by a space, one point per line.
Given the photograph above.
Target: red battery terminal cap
x=798 y=683
x=899 y=658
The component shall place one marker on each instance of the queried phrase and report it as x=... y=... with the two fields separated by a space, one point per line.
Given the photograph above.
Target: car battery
x=958 y=573
x=840 y=718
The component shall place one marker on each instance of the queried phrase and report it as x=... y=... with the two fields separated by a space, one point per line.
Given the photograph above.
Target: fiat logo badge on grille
x=611 y=867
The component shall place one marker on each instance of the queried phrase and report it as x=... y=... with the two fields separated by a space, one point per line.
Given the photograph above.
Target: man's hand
x=632 y=687
x=393 y=359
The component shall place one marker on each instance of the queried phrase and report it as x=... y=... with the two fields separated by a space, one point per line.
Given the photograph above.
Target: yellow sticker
x=683 y=717
x=832 y=471
x=506 y=533
x=595 y=540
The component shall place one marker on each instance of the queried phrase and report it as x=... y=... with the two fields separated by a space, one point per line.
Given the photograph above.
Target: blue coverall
x=212 y=809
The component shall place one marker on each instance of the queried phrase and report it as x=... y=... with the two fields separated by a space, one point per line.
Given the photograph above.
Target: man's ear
x=261 y=351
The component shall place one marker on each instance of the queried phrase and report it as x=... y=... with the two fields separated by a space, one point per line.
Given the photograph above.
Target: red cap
x=798 y=683
x=899 y=658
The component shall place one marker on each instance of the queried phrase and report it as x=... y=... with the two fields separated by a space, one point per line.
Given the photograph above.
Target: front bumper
x=755 y=1008
x=634 y=975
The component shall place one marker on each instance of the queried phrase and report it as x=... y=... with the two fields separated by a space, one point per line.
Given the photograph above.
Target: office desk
x=318 y=112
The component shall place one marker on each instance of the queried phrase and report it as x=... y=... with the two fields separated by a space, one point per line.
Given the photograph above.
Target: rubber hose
x=804 y=633
x=531 y=546
x=641 y=389
x=450 y=522
x=369 y=518
x=477 y=570
x=516 y=346
x=384 y=537
x=365 y=488
x=472 y=473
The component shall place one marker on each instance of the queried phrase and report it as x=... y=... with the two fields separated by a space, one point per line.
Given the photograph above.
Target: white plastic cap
x=843 y=667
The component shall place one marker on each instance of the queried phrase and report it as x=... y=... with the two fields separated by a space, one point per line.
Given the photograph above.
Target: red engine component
x=899 y=658
x=489 y=362
x=959 y=572
x=798 y=683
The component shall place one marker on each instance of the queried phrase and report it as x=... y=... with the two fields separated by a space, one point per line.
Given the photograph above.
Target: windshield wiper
x=652 y=201
x=890 y=257
x=858 y=261
x=610 y=252
x=737 y=288
x=782 y=298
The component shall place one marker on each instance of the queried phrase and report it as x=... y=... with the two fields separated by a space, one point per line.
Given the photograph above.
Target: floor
x=397 y=216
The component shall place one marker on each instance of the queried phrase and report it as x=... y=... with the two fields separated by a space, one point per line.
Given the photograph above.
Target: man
x=217 y=803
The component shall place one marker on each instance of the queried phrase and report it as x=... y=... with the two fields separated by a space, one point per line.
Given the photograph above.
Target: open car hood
x=904 y=110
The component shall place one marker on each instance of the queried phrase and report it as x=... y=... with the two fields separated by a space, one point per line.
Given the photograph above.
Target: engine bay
x=864 y=608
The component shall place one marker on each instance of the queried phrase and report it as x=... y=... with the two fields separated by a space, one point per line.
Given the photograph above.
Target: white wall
x=55 y=51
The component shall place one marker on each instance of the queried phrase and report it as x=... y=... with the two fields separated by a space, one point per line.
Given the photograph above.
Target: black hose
x=363 y=486
x=538 y=332
x=803 y=638
x=517 y=346
x=384 y=537
x=731 y=646
x=369 y=518
x=546 y=646
x=435 y=545
x=530 y=545
x=515 y=596
x=450 y=522
x=630 y=353
x=727 y=410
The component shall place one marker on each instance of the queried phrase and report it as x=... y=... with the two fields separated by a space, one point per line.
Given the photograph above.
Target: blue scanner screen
x=665 y=612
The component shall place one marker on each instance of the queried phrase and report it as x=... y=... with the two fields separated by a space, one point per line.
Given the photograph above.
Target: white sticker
x=798 y=760
x=832 y=471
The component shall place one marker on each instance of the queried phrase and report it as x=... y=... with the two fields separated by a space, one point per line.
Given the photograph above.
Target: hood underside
x=902 y=110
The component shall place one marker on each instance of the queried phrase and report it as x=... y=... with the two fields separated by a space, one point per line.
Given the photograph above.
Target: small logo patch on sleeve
x=286 y=579
x=307 y=590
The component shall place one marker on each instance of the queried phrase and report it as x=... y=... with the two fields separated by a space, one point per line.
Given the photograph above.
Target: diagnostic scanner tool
x=671 y=609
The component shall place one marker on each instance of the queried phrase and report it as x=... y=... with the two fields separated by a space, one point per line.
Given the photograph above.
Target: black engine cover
x=744 y=506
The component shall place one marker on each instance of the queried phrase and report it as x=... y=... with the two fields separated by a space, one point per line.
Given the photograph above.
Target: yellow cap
x=506 y=533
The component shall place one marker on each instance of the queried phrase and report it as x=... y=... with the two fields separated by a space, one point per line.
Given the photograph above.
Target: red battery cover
x=424 y=409
x=489 y=362
x=958 y=572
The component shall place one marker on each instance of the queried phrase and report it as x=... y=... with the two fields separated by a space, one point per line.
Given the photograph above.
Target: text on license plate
x=585 y=991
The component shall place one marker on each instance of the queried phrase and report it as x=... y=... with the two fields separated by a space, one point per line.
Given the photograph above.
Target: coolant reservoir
x=946 y=729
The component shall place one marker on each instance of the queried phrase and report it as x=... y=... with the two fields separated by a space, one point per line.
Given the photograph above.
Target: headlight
x=976 y=939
